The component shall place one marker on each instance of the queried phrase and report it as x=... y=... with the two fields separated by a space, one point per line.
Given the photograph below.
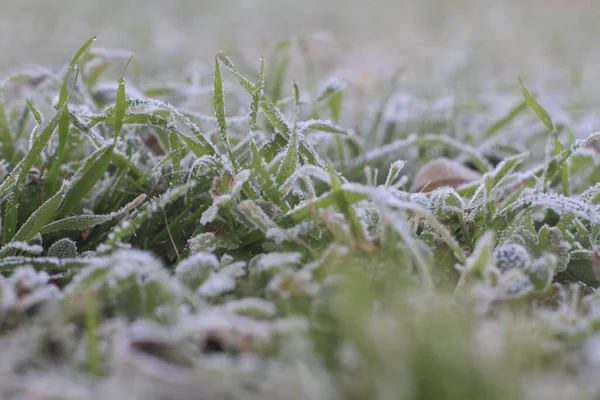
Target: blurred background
x=554 y=42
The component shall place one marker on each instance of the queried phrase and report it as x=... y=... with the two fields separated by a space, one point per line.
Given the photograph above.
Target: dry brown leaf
x=442 y=172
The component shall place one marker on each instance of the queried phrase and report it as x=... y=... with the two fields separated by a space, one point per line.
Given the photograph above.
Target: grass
x=236 y=236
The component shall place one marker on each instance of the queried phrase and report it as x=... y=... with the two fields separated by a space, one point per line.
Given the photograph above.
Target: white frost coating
x=332 y=85
x=513 y=284
x=139 y=101
x=206 y=260
x=216 y=284
x=541 y=271
x=591 y=351
x=204 y=242
x=28 y=278
x=394 y=171
x=558 y=202
x=511 y=256
x=315 y=122
x=255 y=215
x=589 y=193
x=120 y=265
x=196 y=267
x=211 y=212
x=251 y=304
x=218 y=320
x=239 y=180
x=40 y=295
x=277 y=259
x=236 y=269
x=304 y=172
x=8 y=296
x=290 y=281
x=26 y=247
x=280 y=235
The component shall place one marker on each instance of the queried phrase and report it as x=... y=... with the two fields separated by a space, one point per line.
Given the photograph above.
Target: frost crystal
x=216 y=284
x=281 y=260
x=64 y=248
x=513 y=284
x=511 y=256
x=194 y=270
x=27 y=278
x=204 y=242
x=26 y=247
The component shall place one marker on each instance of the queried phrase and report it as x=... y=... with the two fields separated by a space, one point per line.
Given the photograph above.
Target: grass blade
x=536 y=107
x=87 y=176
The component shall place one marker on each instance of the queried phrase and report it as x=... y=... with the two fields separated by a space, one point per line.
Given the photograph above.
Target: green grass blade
x=120 y=106
x=64 y=122
x=278 y=66
x=11 y=213
x=501 y=123
x=258 y=92
x=89 y=221
x=82 y=50
x=265 y=180
x=537 y=108
x=6 y=135
x=87 y=176
x=42 y=216
x=20 y=171
x=219 y=106
x=346 y=207
x=290 y=161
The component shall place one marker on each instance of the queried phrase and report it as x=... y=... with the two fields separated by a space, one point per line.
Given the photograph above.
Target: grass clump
x=223 y=239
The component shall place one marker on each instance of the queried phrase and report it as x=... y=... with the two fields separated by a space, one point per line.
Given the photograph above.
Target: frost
x=63 y=248
x=332 y=86
x=26 y=279
x=513 y=284
x=591 y=350
x=234 y=269
x=541 y=271
x=211 y=213
x=194 y=270
x=511 y=256
x=8 y=296
x=559 y=203
x=269 y=208
x=304 y=172
x=395 y=168
x=445 y=203
x=216 y=285
x=368 y=213
x=251 y=306
x=130 y=282
x=215 y=321
x=255 y=216
x=41 y=295
x=227 y=259
x=240 y=179
x=290 y=282
x=25 y=247
x=280 y=235
x=272 y=260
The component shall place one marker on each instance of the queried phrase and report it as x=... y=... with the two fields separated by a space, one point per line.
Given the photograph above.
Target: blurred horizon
x=548 y=40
